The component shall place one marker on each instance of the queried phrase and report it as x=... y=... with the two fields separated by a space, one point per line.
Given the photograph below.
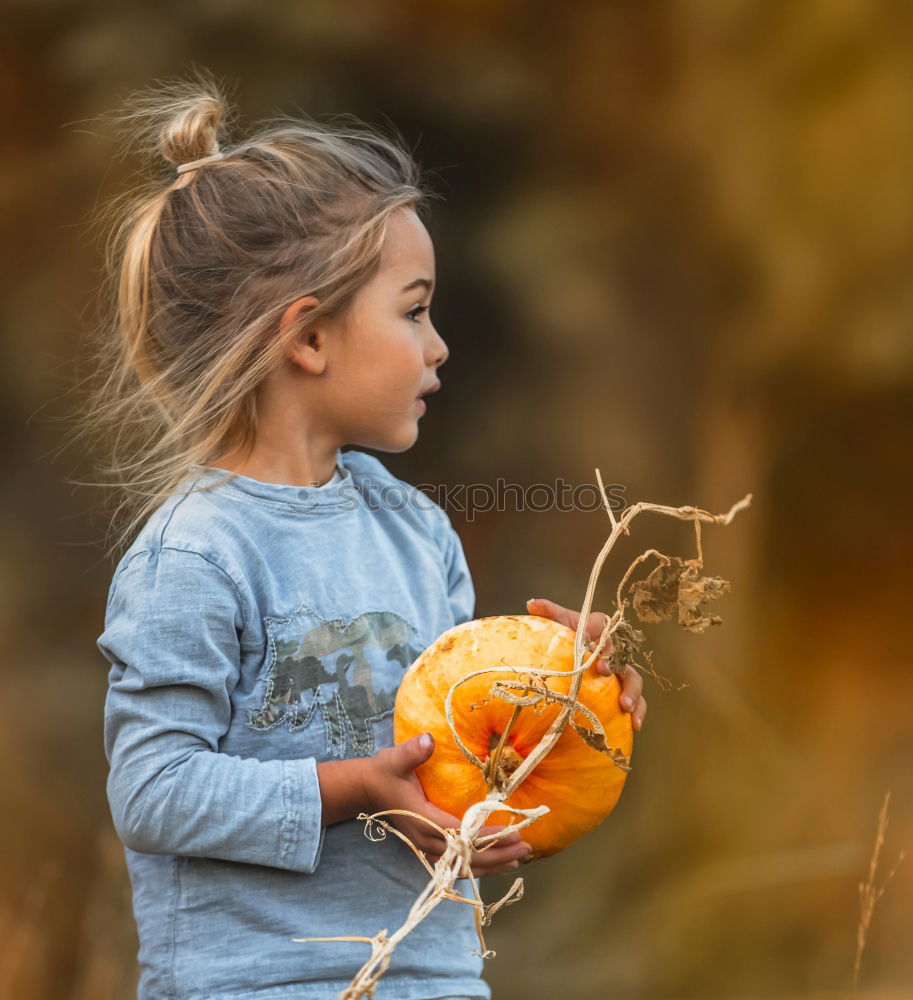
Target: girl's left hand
x=630 y=699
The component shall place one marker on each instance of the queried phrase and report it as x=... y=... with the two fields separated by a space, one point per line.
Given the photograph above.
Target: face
x=388 y=351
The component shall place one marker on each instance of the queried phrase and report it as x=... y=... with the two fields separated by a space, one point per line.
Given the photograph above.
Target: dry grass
x=869 y=894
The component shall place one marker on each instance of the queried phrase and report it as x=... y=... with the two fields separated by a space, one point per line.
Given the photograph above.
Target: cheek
x=406 y=360
x=392 y=359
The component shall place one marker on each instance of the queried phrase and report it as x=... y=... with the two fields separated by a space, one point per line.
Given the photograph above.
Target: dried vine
x=674 y=588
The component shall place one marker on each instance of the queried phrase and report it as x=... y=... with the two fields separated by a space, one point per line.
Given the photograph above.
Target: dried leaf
x=695 y=590
x=677 y=588
x=656 y=596
x=627 y=641
x=597 y=741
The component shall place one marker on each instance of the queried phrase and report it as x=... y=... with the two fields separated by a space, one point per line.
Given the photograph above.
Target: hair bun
x=179 y=120
x=192 y=132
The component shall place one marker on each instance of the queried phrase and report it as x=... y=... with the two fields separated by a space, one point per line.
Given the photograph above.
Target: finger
x=478 y=870
x=424 y=837
x=447 y=820
x=509 y=839
x=594 y=630
x=500 y=855
x=549 y=609
x=498 y=858
x=510 y=866
x=430 y=848
x=444 y=820
x=427 y=839
x=565 y=616
x=631 y=687
x=594 y=626
x=480 y=873
x=639 y=714
x=429 y=843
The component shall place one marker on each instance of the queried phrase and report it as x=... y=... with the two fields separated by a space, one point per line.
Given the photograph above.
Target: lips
x=433 y=388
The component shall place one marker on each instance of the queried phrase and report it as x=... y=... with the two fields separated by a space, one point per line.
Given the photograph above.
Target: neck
x=305 y=467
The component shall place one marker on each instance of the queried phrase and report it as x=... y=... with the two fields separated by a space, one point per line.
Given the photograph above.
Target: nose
x=438 y=350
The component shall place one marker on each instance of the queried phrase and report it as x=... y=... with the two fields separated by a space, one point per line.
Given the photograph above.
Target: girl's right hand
x=391 y=783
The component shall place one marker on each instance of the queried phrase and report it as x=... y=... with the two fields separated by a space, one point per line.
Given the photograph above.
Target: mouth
x=427 y=392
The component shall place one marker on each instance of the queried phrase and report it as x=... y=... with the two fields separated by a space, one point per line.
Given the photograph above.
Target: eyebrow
x=419 y=281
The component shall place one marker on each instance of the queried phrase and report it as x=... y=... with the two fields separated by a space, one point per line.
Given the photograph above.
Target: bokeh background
x=676 y=244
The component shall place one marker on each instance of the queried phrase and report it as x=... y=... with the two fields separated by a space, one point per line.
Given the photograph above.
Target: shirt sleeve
x=172 y=635
x=459 y=580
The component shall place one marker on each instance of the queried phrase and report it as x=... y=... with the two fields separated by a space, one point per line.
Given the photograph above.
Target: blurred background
x=676 y=244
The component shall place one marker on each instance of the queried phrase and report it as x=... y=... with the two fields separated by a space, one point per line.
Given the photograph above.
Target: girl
x=272 y=308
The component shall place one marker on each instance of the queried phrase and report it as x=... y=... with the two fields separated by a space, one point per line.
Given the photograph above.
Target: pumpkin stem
x=503 y=761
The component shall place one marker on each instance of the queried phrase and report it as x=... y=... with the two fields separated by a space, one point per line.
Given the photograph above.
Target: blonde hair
x=201 y=268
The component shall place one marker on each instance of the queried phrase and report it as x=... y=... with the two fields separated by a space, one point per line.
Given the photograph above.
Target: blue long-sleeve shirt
x=254 y=630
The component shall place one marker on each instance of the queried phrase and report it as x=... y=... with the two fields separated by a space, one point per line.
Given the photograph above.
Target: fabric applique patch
x=330 y=669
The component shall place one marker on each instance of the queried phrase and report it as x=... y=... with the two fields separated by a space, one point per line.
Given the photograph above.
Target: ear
x=306 y=344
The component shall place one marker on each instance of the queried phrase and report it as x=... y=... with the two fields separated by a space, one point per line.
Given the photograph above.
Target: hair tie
x=198 y=163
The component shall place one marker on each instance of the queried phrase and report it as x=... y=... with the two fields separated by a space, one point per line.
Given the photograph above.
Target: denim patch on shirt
x=349 y=671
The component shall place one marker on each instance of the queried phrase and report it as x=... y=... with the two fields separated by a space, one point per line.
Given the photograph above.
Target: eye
x=414 y=313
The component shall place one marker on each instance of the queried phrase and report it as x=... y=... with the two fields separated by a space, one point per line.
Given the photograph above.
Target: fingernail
x=628 y=703
x=426 y=741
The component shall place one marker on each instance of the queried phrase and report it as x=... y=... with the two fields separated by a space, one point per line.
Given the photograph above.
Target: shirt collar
x=338 y=495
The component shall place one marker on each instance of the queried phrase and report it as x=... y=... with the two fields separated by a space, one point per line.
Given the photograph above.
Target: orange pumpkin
x=578 y=783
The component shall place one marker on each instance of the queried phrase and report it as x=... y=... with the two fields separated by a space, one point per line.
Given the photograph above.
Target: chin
x=405 y=444
x=393 y=443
